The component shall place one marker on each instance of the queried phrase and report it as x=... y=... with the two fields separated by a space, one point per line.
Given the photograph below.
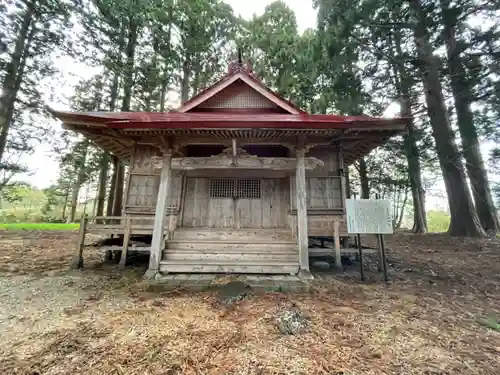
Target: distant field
x=39 y=226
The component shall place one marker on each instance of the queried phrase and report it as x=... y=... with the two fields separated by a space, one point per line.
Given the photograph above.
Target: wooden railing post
x=78 y=259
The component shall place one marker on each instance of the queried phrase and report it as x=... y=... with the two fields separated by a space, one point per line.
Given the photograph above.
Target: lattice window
x=221 y=188
x=249 y=189
x=233 y=188
x=143 y=190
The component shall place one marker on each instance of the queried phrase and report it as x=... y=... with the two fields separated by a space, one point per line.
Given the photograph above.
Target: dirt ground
x=429 y=319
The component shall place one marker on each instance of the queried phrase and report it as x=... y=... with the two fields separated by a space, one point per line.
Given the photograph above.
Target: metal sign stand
x=360 y=249
x=383 y=258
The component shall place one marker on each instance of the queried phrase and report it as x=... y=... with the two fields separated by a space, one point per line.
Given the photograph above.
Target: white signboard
x=369 y=216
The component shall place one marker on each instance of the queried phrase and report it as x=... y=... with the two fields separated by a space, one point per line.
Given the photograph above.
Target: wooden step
x=239 y=234
x=257 y=267
x=222 y=246
x=207 y=249
x=232 y=256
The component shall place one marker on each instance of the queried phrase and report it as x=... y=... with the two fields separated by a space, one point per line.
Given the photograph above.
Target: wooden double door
x=236 y=203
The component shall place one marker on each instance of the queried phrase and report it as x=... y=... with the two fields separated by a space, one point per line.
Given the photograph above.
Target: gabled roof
x=245 y=76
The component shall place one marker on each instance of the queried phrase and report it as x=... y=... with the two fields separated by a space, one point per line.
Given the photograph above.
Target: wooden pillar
x=301 y=196
x=158 y=241
x=336 y=244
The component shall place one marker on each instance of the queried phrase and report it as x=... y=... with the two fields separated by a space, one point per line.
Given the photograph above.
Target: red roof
x=247 y=77
x=185 y=118
x=193 y=120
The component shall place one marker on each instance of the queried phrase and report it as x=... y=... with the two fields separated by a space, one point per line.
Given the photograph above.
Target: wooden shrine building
x=237 y=178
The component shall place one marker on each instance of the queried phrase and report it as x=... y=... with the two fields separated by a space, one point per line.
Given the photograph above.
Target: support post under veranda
x=78 y=259
x=126 y=240
x=336 y=243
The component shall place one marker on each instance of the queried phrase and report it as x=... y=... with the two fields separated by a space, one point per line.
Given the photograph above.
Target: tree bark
x=118 y=196
x=402 y=211
x=463 y=97
x=363 y=177
x=403 y=85
x=128 y=80
x=113 y=92
x=112 y=188
x=78 y=183
x=186 y=67
x=347 y=183
x=14 y=75
x=103 y=181
x=65 y=205
x=464 y=219
x=414 y=172
x=165 y=76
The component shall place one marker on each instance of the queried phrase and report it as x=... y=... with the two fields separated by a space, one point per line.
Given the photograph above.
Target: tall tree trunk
x=363 y=178
x=112 y=188
x=114 y=92
x=78 y=182
x=186 y=72
x=165 y=76
x=163 y=93
x=464 y=219
x=403 y=84
x=414 y=172
x=128 y=80
x=14 y=75
x=347 y=183
x=463 y=97
x=118 y=196
x=402 y=211
x=65 y=204
x=103 y=181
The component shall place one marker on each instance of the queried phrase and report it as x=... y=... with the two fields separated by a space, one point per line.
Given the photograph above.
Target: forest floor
x=437 y=315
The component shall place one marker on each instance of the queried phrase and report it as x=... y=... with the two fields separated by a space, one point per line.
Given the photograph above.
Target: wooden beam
x=242 y=162
x=158 y=241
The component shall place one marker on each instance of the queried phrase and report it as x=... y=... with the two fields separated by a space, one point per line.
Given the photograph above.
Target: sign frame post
x=383 y=257
x=360 y=250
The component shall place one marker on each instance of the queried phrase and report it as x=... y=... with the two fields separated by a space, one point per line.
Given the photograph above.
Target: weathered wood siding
x=144 y=181
x=330 y=157
x=268 y=211
x=323 y=184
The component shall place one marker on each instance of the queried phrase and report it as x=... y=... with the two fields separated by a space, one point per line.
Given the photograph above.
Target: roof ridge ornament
x=239 y=65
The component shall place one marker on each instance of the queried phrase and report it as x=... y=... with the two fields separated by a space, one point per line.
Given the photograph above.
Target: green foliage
x=490 y=322
x=31 y=31
x=438 y=221
x=27 y=204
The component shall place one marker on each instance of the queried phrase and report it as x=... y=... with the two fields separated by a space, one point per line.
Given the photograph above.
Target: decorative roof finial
x=239 y=65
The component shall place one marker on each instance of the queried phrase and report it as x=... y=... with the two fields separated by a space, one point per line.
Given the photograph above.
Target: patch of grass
x=438 y=221
x=39 y=226
x=490 y=322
